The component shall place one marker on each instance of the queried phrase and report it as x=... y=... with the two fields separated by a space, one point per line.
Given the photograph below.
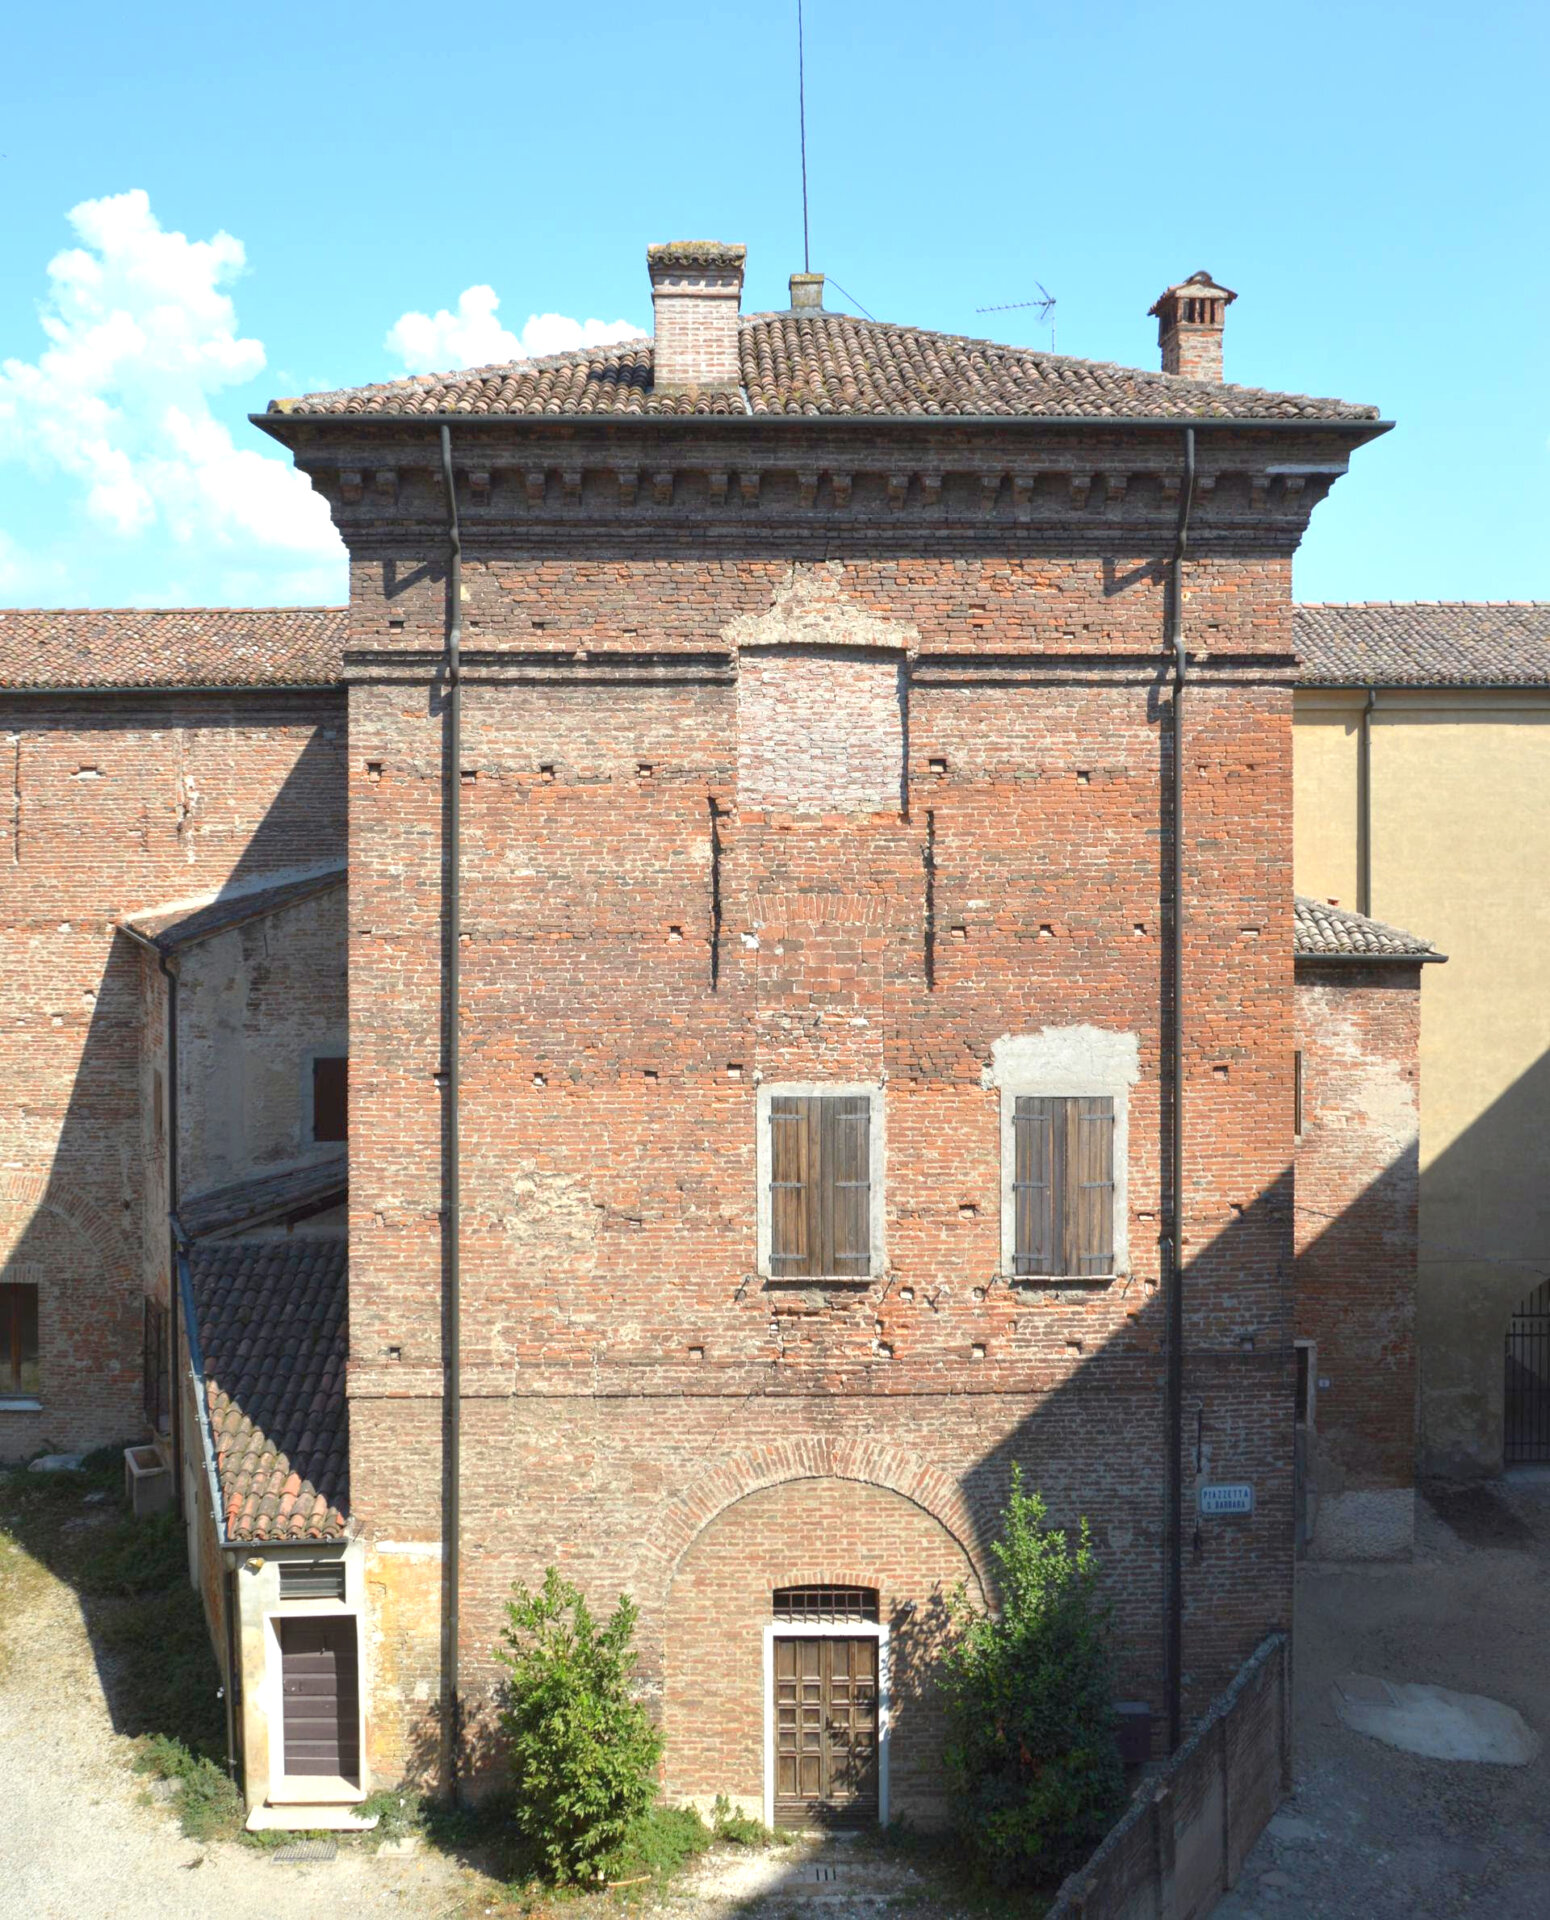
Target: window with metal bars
x=1063 y=1186
x=820 y=1186
x=825 y=1605
x=19 y=1338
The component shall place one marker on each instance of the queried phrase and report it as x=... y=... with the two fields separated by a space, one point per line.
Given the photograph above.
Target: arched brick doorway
x=722 y=1665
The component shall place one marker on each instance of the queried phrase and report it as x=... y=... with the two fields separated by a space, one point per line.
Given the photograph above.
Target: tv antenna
x=1045 y=304
x=807 y=263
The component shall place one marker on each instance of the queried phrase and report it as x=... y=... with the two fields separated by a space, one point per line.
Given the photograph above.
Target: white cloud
x=473 y=337
x=141 y=333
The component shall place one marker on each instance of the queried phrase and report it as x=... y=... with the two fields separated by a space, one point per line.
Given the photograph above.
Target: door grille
x=827 y=1605
x=1527 y=1400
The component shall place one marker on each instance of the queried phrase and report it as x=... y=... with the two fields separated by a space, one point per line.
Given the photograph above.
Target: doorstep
x=322 y=1817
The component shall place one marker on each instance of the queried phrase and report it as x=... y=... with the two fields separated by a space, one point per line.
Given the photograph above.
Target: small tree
x=583 y=1753
x=1031 y=1758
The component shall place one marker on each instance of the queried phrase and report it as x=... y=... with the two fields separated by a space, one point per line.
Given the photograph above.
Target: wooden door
x=321 y=1693
x=826 y=1731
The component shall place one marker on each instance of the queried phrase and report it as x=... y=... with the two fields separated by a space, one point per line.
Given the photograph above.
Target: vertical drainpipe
x=174 y=1372
x=1173 y=1239
x=452 y=1230
x=1364 y=805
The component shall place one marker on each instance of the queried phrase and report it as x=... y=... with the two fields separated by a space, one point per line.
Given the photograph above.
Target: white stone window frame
x=1065 y=1063
x=828 y=1630
x=764 y=1155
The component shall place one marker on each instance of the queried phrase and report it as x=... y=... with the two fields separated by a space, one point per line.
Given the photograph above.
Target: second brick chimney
x=1191 y=318
x=696 y=292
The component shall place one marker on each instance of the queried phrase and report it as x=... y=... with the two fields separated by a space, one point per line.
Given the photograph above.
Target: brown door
x=322 y=1697
x=826 y=1731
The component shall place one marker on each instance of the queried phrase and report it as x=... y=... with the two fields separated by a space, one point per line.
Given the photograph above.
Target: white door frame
x=827 y=1630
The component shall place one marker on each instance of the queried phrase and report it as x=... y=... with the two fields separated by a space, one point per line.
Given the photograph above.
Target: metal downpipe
x=174 y=1373
x=1364 y=806
x=1173 y=1242
x=452 y=1211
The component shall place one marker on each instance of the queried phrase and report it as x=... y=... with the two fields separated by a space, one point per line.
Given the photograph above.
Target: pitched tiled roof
x=171 y=647
x=1425 y=643
x=273 y=1329
x=184 y=924
x=831 y=364
x=294 y=1192
x=1323 y=932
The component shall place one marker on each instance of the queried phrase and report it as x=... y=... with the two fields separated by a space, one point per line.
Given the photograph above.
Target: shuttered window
x=1063 y=1186
x=820 y=1186
x=18 y=1338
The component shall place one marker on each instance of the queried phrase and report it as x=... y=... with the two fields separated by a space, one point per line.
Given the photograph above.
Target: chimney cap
x=806 y=291
x=717 y=256
x=1199 y=283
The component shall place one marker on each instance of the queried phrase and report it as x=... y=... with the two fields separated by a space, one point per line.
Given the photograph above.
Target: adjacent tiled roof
x=1425 y=643
x=171 y=647
x=271 y=1196
x=1323 y=932
x=173 y=928
x=273 y=1330
x=832 y=364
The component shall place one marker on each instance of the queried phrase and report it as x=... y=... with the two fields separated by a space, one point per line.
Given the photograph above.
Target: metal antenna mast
x=1045 y=304
x=807 y=264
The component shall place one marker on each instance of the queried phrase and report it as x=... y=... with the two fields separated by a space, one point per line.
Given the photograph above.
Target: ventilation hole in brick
x=907 y=1295
x=1139 y=929
x=938 y=769
x=978 y=1293
x=696 y=1353
x=1083 y=777
x=1220 y=1072
x=1249 y=933
x=396 y=626
x=1246 y=1343
x=884 y=1350
x=373 y=769
x=89 y=773
x=1046 y=932
x=967 y=1210
x=395 y=1353
x=977 y=1351
x=644 y=769
x=652 y=1074
x=1073 y=1343
x=539 y=625
x=546 y=771
x=540 y=1080
x=470 y=775
x=675 y=933
x=960 y=933
x=734 y=1069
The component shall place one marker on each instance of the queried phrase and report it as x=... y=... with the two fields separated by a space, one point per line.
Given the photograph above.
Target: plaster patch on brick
x=1070 y=1063
x=812 y=609
x=551 y=1211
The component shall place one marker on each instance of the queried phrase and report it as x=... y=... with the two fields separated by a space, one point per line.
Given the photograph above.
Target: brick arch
x=680 y=1521
x=35 y=1191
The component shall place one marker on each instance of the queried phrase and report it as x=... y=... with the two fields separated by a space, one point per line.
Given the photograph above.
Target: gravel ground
x=78 y=1842
x=1373 y=1832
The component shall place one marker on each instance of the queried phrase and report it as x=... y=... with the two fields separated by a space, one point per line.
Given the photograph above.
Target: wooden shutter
x=1035 y=1126
x=1063 y=1186
x=1089 y=1222
x=820 y=1186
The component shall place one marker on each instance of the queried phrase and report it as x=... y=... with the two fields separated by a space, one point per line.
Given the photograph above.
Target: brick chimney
x=1190 y=321
x=696 y=291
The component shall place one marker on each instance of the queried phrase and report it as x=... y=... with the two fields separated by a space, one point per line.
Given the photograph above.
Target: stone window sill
x=19 y=1403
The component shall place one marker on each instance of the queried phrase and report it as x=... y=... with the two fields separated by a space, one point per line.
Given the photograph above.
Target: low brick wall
x=1184 y=1840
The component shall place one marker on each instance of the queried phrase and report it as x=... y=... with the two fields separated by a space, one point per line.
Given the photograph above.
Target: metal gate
x=1527 y=1424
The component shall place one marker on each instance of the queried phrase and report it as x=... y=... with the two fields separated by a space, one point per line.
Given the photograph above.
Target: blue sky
x=264 y=193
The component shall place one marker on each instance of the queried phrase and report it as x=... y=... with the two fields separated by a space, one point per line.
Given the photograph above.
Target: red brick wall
x=631 y=938
x=120 y=803
x=1357 y=1190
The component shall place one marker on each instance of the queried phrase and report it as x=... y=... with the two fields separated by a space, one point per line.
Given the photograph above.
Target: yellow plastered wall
x=1460 y=854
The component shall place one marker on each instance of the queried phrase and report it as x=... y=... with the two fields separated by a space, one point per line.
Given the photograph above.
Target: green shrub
x=661 y=1841
x=583 y=1752
x=207 y=1803
x=1031 y=1756
x=737 y=1829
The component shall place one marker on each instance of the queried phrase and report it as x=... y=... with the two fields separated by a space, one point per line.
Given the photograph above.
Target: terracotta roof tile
x=171 y=647
x=273 y=1325
x=1323 y=932
x=1425 y=643
x=828 y=364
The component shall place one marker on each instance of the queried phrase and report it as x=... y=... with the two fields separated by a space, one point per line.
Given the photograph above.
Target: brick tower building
x=784 y=709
